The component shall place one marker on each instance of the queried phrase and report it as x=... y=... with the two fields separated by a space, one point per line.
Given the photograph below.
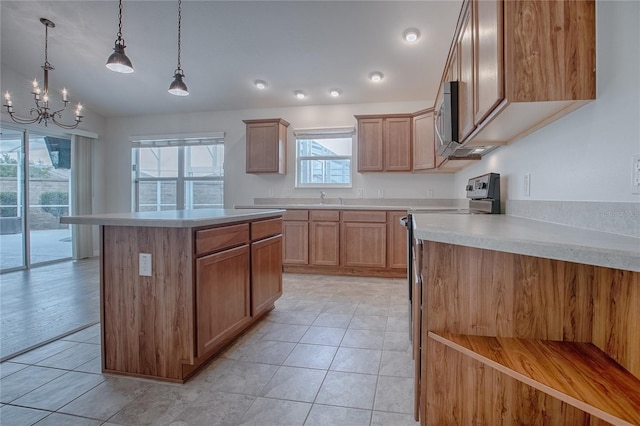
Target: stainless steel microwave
x=446 y=120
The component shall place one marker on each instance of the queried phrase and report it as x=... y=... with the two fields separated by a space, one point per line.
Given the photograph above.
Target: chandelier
x=42 y=113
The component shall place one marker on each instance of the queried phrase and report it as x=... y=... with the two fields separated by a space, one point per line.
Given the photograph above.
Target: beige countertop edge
x=533 y=238
x=173 y=219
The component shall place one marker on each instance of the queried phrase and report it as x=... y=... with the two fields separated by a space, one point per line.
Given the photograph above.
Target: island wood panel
x=222 y=297
x=144 y=331
x=266 y=274
x=484 y=396
x=577 y=373
x=546 y=41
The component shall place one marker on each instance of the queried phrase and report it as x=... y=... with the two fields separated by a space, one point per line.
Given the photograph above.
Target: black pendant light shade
x=119 y=61
x=178 y=87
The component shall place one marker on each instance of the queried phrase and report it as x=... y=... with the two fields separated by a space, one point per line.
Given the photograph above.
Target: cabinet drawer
x=209 y=240
x=364 y=216
x=265 y=228
x=296 y=215
x=325 y=215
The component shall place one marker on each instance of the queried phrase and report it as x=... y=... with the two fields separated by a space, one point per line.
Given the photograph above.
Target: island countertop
x=173 y=218
x=530 y=237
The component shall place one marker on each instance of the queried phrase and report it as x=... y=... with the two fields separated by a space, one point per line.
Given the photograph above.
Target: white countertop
x=173 y=218
x=340 y=207
x=530 y=237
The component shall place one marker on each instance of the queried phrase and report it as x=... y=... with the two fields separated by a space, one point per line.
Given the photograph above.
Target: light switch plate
x=144 y=264
x=635 y=175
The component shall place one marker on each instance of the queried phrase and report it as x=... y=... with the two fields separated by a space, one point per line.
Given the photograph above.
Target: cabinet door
x=396 y=241
x=222 y=296
x=465 y=86
x=266 y=147
x=370 y=151
x=266 y=273
x=325 y=243
x=488 y=57
x=397 y=144
x=364 y=244
x=295 y=247
x=423 y=143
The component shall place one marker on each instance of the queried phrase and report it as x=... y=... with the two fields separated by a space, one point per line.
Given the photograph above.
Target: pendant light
x=118 y=61
x=178 y=87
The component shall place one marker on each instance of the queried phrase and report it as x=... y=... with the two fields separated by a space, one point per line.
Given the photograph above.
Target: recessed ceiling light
x=411 y=35
x=299 y=94
x=260 y=84
x=335 y=92
x=376 y=76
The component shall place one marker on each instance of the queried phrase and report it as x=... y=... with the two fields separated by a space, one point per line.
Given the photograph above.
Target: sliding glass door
x=34 y=193
x=12 y=164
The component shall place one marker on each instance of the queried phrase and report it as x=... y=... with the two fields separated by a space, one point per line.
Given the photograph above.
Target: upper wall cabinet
x=423 y=143
x=521 y=65
x=266 y=145
x=384 y=143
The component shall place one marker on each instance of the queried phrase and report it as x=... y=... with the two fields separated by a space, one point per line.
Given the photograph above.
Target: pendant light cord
x=179 y=29
x=46 y=48
x=120 y=21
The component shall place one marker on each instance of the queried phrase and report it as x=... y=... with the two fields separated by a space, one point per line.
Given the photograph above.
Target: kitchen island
x=525 y=322
x=178 y=286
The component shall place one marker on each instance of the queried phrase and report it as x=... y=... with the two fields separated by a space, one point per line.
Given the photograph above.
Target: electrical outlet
x=360 y=193
x=429 y=193
x=380 y=193
x=144 y=265
x=527 y=185
x=635 y=174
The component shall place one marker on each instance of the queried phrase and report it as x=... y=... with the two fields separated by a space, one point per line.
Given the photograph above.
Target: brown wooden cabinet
x=423 y=142
x=507 y=54
x=324 y=237
x=466 y=93
x=384 y=143
x=266 y=274
x=295 y=249
x=363 y=239
x=370 y=145
x=396 y=240
x=222 y=296
x=266 y=146
x=488 y=63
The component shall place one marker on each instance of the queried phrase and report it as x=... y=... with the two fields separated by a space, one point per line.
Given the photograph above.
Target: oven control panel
x=482 y=187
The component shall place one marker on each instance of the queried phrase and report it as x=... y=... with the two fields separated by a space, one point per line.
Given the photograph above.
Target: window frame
x=182 y=143
x=328 y=133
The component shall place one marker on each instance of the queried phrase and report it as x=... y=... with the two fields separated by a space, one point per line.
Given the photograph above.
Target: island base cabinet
x=222 y=296
x=266 y=270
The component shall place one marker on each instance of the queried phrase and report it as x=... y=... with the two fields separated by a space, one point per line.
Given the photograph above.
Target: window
x=178 y=174
x=323 y=158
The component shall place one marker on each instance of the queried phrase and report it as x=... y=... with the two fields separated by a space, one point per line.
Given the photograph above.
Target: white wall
x=242 y=188
x=585 y=156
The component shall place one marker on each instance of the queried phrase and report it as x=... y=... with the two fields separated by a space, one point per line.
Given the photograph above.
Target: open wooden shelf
x=579 y=374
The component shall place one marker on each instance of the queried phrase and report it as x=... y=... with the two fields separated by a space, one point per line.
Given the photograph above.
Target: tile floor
x=335 y=351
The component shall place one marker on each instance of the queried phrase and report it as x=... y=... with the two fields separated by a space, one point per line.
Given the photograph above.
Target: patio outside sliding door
x=12 y=165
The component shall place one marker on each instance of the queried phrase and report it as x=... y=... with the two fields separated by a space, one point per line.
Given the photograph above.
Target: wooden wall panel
x=144 y=331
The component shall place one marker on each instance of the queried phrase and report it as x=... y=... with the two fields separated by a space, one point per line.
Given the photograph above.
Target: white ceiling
x=299 y=45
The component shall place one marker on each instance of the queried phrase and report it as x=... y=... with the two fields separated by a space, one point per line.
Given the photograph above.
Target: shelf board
x=579 y=374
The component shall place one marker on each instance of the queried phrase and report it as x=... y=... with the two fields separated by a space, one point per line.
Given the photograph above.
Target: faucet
x=322 y=196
